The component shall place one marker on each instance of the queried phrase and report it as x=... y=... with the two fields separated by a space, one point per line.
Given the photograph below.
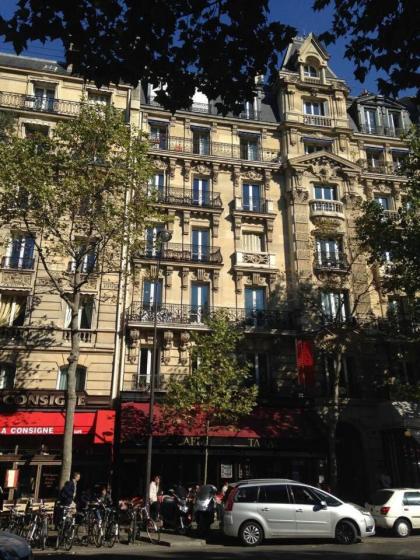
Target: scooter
x=175 y=512
x=204 y=508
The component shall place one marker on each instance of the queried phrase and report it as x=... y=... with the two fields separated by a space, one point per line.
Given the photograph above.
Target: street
x=375 y=548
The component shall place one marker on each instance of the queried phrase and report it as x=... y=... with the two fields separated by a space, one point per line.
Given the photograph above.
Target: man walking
x=153 y=497
x=69 y=490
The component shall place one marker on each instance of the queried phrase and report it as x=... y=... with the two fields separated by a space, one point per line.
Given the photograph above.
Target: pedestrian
x=154 y=490
x=225 y=487
x=69 y=490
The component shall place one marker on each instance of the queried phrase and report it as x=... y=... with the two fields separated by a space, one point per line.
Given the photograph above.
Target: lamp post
x=162 y=237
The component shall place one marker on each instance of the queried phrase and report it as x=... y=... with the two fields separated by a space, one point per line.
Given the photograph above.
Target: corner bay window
x=328 y=251
x=80 y=378
x=7 y=376
x=12 y=310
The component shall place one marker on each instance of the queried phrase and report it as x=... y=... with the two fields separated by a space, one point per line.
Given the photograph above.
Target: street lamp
x=163 y=236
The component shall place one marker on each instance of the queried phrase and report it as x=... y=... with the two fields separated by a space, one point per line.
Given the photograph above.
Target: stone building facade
x=258 y=204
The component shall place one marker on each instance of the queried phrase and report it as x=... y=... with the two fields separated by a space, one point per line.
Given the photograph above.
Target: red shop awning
x=262 y=423
x=100 y=424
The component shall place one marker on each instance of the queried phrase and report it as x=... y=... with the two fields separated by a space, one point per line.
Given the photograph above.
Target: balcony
x=17 y=263
x=214 y=149
x=141 y=383
x=255 y=205
x=210 y=109
x=179 y=252
x=255 y=260
x=328 y=208
x=391 y=215
x=87 y=336
x=188 y=197
x=178 y=315
x=382 y=130
x=331 y=262
x=317 y=120
x=32 y=103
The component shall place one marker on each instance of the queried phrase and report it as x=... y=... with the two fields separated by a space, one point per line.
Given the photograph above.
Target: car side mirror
x=323 y=504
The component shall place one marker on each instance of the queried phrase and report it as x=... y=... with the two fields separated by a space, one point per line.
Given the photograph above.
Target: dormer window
x=370 y=119
x=394 y=121
x=310 y=71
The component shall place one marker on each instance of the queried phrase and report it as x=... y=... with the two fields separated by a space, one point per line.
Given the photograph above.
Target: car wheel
x=346 y=532
x=251 y=533
x=402 y=528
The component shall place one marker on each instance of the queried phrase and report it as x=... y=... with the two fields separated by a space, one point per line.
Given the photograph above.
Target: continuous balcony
x=328 y=208
x=179 y=252
x=22 y=102
x=178 y=315
x=17 y=263
x=210 y=109
x=382 y=130
x=331 y=262
x=260 y=260
x=187 y=197
x=215 y=149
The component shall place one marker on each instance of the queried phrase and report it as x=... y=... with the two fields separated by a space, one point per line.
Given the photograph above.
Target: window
x=328 y=251
x=370 y=119
x=85 y=314
x=200 y=300
x=253 y=242
x=398 y=159
x=7 y=376
x=251 y=198
x=314 y=108
x=159 y=136
x=274 y=494
x=323 y=192
x=201 y=192
x=310 y=71
x=151 y=248
x=80 y=378
x=98 y=98
x=20 y=252
x=32 y=130
x=258 y=363
x=157 y=184
x=144 y=371
x=304 y=496
x=349 y=384
x=86 y=256
x=334 y=306
x=374 y=158
x=152 y=291
x=201 y=141
x=411 y=499
x=394 y=120
x=330 y=500
x=383 y=201
x=12 y=310
x=44 y=99
x=249 y=111
x=249 y=147
x=254 y=298
x=312 y=148
x=200 y=244
x=246 y=494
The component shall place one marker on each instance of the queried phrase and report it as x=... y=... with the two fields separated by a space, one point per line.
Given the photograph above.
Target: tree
x=380 y=35
x=219 y=390
x=397 y=238
x=216 y=46
x=80 y=195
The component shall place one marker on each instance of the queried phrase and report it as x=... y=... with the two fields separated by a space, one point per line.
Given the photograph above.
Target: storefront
x=31 y=430
x=270 y=443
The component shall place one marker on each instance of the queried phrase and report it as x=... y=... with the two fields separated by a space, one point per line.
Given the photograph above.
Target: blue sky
x=298 y=13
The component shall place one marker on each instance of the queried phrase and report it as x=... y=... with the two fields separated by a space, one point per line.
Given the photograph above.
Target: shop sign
x=226 y=471
x=38 y=399
x=11 y=478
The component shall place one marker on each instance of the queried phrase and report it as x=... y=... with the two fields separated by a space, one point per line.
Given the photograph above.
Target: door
x=201 y=192
x=411 y=503
x=311 y=518
x=151 y=248
x=277 y=510
x=200 y=244
x=199 y=302
x=152 y=291
x=251 y=199
x=44 y=99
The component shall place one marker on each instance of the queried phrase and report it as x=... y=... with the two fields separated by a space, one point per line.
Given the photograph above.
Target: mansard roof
x=30 y=63
x=368 y=98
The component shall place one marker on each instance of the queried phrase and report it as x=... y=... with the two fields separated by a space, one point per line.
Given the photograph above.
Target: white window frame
x=24 y=241
x=67 y=314
x=312 y=105
x=3 y=375
x=368 y=120
x=250 y=243
x=13 y=315
x=60 y=375
x=149 y=360
x=324 y=188
x=334 y=305
x=309 y=71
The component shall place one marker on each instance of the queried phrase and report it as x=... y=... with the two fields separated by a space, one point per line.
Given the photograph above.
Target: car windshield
x=381 y=497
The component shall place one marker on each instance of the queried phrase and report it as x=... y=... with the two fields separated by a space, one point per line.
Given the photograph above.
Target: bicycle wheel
x=132 y=531
x=43 y=534
x=111 y=534
x=68 y=535
x=97 y=535
x=152 y=531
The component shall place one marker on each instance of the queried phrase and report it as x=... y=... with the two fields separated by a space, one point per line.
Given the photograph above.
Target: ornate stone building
x=258 y=205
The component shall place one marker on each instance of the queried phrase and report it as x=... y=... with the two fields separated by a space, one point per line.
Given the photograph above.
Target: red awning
x=100 y=424
x=262 y=423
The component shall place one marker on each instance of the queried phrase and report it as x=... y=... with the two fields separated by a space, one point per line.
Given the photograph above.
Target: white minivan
x=281 y=508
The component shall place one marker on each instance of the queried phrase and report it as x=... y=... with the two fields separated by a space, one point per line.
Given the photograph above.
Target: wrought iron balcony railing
x=188 y=197
x=21 y=263
x=218 y=149
x=183 y=253
x=210 y=109
x=382 y=130
x=179 y=314
x=34 y=103
x=336 y=261
x=326 y=207
x=255 y=205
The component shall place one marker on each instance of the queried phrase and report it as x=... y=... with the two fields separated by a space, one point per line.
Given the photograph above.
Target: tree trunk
x=71 y=396
x=206 y=453
x=333 y=421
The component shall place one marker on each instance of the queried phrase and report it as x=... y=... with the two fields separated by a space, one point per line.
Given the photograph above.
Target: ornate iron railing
x=39 y=104
x=183 y=252
x=335 y=261
x=175 y=313
x=210 y=109
x=188 y=197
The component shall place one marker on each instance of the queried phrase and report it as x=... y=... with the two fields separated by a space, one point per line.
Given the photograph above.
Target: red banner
x=305 y=362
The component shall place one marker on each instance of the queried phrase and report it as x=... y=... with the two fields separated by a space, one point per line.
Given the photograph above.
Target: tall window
x=251 y=197
x=310 y=71
x=328 y=251
x=80 y=378
x=85 y=313
x=253 y=242
x=20 y=252
x=151 y=248
x=152 y=291
x=87 y=256
x=314 y=108
x=398 y=159
x=44 y=99
x=200 y=244
x=201 y=141
x=394 y=121
x=157 y=184
x=383 y=201
x=254 y=305
x=370 y=119
x=250 y=110
x=324 y=192
x=249 y=147
x=144 y=371
x=374 y=158
x=200 y=300
x=159 y=136
x=334 y=306
x=12 y=310
x=201 y=192
x=258 y=363
x=7 y=376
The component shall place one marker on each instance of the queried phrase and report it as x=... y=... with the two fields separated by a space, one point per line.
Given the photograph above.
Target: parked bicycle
x=66 y=528
x=36 y=532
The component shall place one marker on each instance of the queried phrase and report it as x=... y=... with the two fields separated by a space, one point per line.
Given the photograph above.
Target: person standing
x=153 y=497
x=69 y=490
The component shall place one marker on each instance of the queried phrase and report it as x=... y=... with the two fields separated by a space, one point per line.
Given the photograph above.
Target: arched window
x=310 y=71
x=80 y=378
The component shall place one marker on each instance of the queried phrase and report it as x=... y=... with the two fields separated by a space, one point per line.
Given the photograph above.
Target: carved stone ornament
x=238 y=281
x=187 y=169
x=185 y=272
x=216 y=277
x=160 y=164
x=298 y=195
x=202 y=169
x=352 y=199
x=294 y=136
x=216 y=168
x=15 y=280
x=237 y=177
x=252 y=175
x=267 y=179
x=326 y=225
x=184 y=339
x=172 y=167
x=322 y=169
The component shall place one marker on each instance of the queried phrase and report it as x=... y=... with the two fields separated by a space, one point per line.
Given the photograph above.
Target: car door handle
x=299 y=510
x=265 y=509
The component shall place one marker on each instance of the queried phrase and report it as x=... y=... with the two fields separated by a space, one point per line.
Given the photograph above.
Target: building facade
x=258 y=205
